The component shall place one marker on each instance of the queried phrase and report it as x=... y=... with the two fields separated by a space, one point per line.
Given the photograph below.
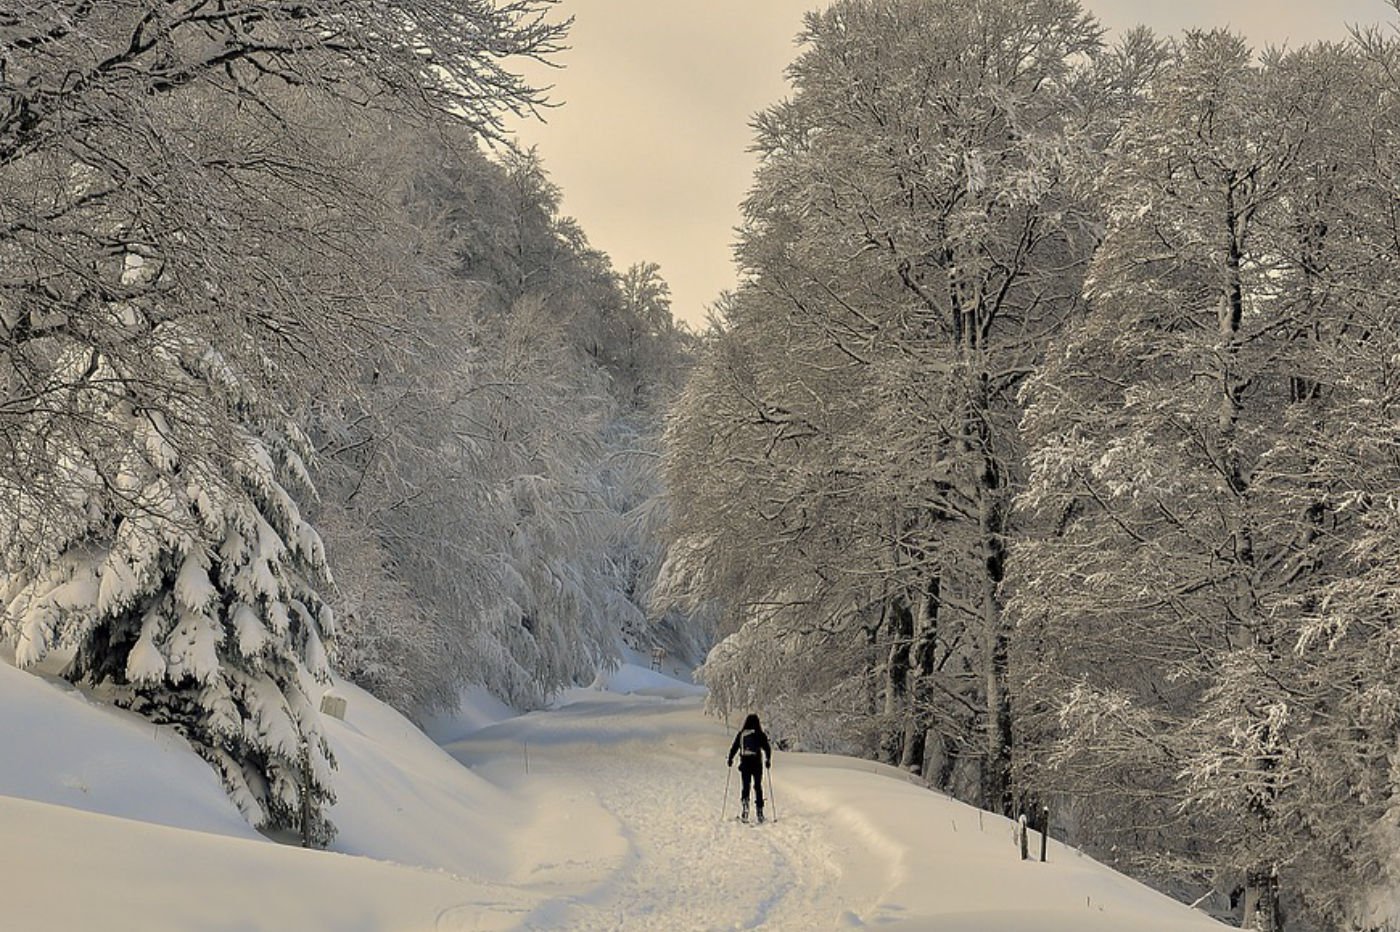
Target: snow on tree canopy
x=195 y=599
x=145 y=663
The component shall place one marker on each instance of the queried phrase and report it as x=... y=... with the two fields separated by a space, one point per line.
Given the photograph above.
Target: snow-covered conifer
x=192 y=595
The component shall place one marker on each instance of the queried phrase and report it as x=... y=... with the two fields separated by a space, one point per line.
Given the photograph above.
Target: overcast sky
x=650 y=143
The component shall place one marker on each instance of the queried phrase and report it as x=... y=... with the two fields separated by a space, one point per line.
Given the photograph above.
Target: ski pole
x=728 y=772
x=772 y=800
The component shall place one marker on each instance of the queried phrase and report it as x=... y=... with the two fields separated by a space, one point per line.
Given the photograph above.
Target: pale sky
x=651 y=142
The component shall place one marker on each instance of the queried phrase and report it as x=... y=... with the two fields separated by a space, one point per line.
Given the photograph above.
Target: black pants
x=752 y=775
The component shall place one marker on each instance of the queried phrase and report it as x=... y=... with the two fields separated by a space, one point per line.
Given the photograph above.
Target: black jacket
x=749 y=744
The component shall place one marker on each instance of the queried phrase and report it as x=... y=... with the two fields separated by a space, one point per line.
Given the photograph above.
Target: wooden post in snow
x=1044 y=831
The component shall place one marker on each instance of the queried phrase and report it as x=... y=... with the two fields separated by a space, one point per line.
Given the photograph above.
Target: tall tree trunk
x=996 y=765
x=901 y=636
x=921 y=693
x=991 y=535
x=1261 y=911
x=873 y=674
x=1261 y=901
x=1229 y=319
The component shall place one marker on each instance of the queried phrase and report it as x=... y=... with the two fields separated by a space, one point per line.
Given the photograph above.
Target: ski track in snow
x=623 y=828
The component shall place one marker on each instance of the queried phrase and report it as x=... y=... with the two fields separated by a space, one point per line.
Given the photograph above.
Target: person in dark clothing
x=754 y=752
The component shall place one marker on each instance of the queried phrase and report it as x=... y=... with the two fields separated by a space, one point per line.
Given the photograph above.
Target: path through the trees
x=618 y=803
x=622 y=829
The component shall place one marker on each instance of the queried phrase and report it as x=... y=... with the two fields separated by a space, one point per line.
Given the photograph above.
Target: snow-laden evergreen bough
x=191 y=592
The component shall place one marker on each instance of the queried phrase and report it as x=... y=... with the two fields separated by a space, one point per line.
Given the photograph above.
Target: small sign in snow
x=333 y=705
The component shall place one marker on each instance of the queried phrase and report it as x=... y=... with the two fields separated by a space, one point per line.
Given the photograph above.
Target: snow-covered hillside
x=603 y=813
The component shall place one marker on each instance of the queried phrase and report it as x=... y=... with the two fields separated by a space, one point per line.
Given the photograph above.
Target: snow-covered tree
x=1339 y=457
x=844 y=461
x=183 y=133
x=191 y=590
x=1184 y=439
x=493 y=465
x=175 y=187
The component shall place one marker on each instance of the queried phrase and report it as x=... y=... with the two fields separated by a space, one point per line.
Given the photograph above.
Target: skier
x=750 y=744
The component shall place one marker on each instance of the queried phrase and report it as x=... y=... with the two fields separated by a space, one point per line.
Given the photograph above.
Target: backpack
x=750 y=743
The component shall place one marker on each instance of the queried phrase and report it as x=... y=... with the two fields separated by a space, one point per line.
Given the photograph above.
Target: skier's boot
x=744 y=814
x=760 y=814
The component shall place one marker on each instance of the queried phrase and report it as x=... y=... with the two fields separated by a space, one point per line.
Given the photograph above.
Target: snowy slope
x=182 y=858
x=604 y=813
x=62 y=869
x=60 y=747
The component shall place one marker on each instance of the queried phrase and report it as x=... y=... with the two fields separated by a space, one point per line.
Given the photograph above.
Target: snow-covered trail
x=614 y=823
x=623 y=830
x=618 y=802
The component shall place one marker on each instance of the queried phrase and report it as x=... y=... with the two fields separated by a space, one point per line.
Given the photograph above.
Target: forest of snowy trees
x=1050 y=444
x=297 y=378
x=1048 y=448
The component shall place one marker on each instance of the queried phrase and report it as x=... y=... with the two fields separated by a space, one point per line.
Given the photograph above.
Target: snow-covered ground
x=604 y=813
